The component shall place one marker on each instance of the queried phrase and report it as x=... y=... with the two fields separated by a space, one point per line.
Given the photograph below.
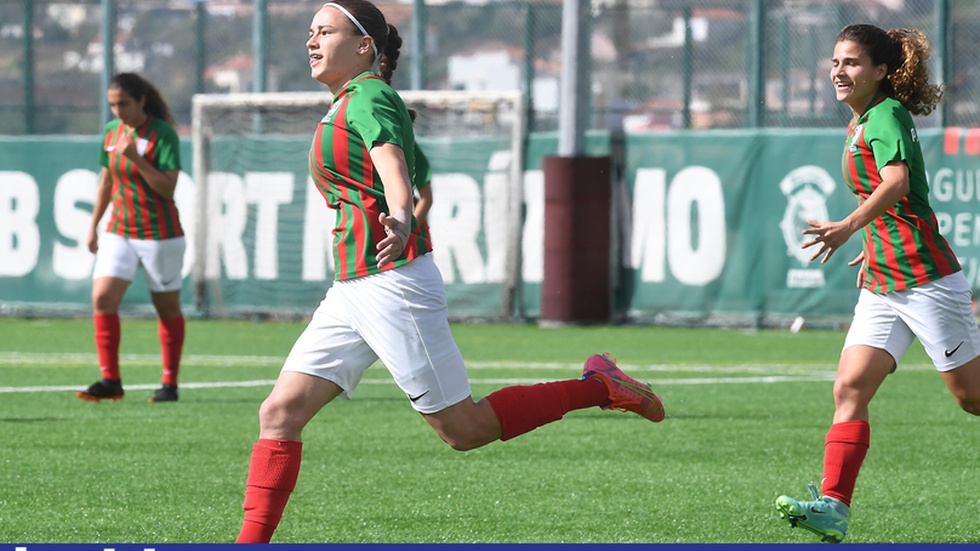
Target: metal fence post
x=756 y=77
x=108 y=54
x=28 y=67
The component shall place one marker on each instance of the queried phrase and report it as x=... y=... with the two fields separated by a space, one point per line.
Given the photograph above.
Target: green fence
x=659 y=65
x=707 y=226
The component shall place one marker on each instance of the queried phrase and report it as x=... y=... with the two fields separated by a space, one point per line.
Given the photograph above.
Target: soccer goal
x=261 y=232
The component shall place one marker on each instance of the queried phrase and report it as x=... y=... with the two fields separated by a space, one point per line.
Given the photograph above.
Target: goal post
x=262 y=234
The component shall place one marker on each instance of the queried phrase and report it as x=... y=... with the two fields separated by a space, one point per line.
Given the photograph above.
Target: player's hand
x=859 y=259
x=829 y=235
x=128 y=147
x=396 y=237
x=93 y=241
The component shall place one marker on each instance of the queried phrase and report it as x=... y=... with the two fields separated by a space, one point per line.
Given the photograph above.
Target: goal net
x=262 y=233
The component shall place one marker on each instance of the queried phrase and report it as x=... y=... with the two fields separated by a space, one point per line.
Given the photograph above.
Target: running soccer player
x=388 y=301
x=140 y=163
x=911 y=283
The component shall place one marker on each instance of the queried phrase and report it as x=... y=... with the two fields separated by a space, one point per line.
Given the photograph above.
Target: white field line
x=44 y=359
x=473 y=380
x=763 y=373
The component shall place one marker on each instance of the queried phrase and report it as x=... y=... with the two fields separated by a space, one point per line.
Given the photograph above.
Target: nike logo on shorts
x=953 y=351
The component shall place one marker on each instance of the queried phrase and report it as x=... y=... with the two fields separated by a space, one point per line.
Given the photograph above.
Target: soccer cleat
x=626 y=393
x=824 y=516
x=103 y=389
x=166 y=393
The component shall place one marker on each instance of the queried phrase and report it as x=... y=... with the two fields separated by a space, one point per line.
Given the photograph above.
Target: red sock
x=272 y=475
x=107 y=337
x=847 y=444
x=521 y=409
x=171 y=334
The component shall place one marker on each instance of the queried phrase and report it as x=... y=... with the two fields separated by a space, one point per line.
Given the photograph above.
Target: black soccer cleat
x=166 y=393
x=103 y=389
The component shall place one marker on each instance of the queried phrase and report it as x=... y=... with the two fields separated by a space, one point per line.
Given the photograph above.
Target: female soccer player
x=140 y=163
x=911 y=283
x=388 y=300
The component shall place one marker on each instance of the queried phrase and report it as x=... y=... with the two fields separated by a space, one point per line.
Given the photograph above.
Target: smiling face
x=125 y=108
x=337 y=51
x=856 y=79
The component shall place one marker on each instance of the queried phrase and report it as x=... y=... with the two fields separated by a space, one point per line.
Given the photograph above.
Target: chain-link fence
x=655 y=64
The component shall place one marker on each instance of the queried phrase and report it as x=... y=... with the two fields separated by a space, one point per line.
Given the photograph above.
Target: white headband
x=355 y=22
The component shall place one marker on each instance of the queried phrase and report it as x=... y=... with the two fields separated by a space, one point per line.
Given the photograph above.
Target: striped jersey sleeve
x=365 y=113
x=902 y=248
x=138 y=211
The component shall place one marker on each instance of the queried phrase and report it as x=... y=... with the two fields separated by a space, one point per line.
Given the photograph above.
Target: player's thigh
x=107 y=294
x=163 y=261
x=964 y=383
x=329 y=348
x=167 y=304
x=876 y=324
x=402 y=315
x=940 y=313
x=116 y=258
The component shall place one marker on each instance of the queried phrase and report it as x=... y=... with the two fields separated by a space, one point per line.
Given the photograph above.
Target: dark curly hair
x=905 y=53
x=139 y=88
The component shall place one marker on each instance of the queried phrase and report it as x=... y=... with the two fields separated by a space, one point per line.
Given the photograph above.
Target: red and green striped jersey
x=902 y=248
x=366 y=112
x=139 y=212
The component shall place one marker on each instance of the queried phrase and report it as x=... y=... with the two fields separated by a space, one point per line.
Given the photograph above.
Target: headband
x=355 y=22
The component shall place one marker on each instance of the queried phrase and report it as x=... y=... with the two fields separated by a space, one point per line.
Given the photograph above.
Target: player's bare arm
x=424 y=203
x=389 y=159
x=103 y=196
x=832 y=235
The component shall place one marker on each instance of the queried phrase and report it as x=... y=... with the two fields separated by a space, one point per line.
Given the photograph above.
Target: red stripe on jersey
x=341 y=160
x=128 y=215
x=930 y=233
x=158 y=202
x=874 y=279
x=911 y=249
x=880 y=226
x=371 y=204
x=326 y=186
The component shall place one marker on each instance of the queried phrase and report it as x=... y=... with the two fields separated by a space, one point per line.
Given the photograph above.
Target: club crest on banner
x=806 y=189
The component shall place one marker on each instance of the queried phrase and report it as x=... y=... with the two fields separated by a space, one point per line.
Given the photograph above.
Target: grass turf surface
x=747 y=412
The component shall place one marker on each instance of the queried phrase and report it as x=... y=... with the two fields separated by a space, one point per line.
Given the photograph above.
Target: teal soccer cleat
x=824 y=516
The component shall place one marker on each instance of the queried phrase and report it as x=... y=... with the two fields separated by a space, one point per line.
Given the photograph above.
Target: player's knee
x=466 y=437
x=969 y=404
x=273 y=415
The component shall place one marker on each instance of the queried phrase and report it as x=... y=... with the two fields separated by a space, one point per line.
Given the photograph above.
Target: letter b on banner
x=20 y=239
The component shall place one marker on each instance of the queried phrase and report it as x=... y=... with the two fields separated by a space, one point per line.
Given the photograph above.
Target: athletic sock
x=272 y=474
x=521 y=409
x=171 y=334
x=847 y=445
x=107 y=337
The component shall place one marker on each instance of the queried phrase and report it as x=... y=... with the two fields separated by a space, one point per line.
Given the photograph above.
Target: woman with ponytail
x=911 y=283
x=140 y=161
x=388 y=300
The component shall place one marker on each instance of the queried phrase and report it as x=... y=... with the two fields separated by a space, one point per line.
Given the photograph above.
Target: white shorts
x=162 y=260
x=398 y=316
x=938 y=313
